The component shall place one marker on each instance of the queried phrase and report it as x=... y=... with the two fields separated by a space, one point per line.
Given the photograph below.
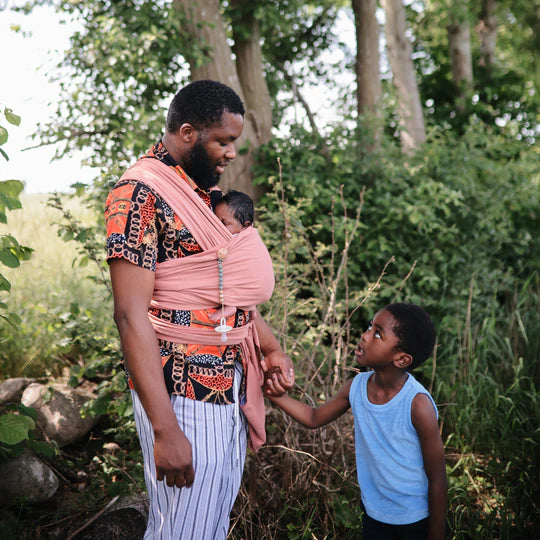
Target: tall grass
x=49 y=292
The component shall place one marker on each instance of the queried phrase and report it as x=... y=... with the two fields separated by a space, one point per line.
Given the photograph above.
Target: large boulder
x=11 y=390
x=58 y=410
x=126 y=518
x=26 y=479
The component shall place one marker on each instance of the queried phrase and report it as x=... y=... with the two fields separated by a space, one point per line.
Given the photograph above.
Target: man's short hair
x=202 y=104
x=241 y=206
x=414 y=330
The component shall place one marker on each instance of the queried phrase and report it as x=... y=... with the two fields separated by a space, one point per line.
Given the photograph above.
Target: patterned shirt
x=143 y=229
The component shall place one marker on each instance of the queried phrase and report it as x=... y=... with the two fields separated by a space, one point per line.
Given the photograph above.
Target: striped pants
x=218 y=436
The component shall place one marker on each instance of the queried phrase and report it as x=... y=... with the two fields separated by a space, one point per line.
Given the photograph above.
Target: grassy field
x=45 y=289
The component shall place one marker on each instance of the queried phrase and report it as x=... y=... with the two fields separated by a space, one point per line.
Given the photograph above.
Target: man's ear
x=188 y=133
x=403 y=360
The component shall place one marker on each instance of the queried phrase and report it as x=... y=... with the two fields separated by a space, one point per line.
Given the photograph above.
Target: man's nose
x=230 y=152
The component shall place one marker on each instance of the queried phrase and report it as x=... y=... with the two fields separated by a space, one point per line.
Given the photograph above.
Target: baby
x=236 y=211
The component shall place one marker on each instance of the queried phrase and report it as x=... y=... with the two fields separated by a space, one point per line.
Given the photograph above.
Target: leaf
x=28 y=411
x=11 y=117
x=41 y=447
x=9 y=259
x=3 y=135
x=11 y=188
x=14 y=428
x=6 y=157
x=5 y=285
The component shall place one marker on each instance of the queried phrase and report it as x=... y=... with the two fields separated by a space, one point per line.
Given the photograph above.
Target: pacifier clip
x=223 y=327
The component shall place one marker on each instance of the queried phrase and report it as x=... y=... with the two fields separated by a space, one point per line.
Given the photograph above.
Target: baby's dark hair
x=241 y=206
x=414 y=330
x=202 y=104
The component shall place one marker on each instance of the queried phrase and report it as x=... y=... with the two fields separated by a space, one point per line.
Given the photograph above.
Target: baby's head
x=235 y=210
x=414 y=330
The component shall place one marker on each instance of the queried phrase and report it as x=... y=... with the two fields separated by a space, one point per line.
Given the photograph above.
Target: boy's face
x=226 y=216
x=378 y=345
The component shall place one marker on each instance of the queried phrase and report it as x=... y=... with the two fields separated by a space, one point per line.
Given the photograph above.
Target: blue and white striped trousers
x=218 y=436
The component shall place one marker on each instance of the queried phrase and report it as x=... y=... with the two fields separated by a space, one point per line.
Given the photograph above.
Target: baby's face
x=225 y=215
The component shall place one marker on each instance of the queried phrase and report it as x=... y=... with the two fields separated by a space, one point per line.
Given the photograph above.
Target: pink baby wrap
x=191 y=283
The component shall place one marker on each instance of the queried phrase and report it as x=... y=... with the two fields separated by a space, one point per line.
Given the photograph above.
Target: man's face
x=214 y=150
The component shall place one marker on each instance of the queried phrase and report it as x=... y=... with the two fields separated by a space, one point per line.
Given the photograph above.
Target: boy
x=399 y=451
x=235 y=210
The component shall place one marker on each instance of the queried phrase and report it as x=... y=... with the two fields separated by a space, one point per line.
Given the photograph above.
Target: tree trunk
x=249 y=65
x=459 y=38
x=368 y=83
x=204 y=22
x=411 y=118
x=487 y=28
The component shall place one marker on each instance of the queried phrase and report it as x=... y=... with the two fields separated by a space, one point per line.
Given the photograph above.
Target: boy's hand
x=278 y=374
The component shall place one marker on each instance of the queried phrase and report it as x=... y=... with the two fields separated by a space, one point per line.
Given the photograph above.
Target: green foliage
x=462 y=207
x=55 y=298
x=16 y=432
x=461 y=214
x=505 y=94
x=11 y=252
x=14 y=428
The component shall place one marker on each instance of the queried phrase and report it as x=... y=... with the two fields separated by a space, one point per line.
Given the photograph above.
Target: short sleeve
x=131 y=224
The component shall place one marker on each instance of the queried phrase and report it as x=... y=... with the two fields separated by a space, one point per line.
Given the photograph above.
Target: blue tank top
x=390 y=468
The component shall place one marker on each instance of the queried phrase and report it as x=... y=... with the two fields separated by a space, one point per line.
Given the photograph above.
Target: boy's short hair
x=414 y=330
x=241 y=206
x=202 y=104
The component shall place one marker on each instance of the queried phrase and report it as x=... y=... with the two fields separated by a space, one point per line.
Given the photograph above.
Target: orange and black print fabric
x=143 y=229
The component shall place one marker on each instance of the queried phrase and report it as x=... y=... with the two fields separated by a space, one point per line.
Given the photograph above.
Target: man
x=172 y=300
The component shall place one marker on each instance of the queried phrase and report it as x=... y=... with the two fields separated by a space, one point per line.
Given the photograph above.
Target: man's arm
x=314 y=417
x=275 y=360
x=425 y=422
x=132 y=291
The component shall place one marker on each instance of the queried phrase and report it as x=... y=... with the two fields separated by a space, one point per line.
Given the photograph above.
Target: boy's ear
x=403 y=360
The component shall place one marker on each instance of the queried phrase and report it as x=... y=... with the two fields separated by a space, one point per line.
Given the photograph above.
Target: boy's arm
x=314 y=417
x=424 y=420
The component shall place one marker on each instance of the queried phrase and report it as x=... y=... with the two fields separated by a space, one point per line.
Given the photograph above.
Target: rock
x=58 y=414
x=26 y=479
x=125 y=519
x=11 y=389
x=111 y=448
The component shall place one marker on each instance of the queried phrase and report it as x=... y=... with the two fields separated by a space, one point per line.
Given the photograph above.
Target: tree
x=129 y=58
x=368 y=82
x=411 y=118
x=206 y=25
x=459 y=43
x=487 y=28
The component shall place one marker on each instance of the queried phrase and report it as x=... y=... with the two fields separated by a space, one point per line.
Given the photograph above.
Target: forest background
x=419 y=183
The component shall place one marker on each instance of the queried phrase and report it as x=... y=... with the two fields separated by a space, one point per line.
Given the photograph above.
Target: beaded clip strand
x=223 y=327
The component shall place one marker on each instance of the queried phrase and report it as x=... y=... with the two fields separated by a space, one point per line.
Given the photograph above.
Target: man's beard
x=200 y=169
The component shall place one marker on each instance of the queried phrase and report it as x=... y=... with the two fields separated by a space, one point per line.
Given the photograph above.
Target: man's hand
x=173 y=458
x=278 y=373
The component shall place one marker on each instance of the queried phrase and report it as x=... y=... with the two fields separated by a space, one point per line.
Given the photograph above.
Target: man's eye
x=377 y=334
